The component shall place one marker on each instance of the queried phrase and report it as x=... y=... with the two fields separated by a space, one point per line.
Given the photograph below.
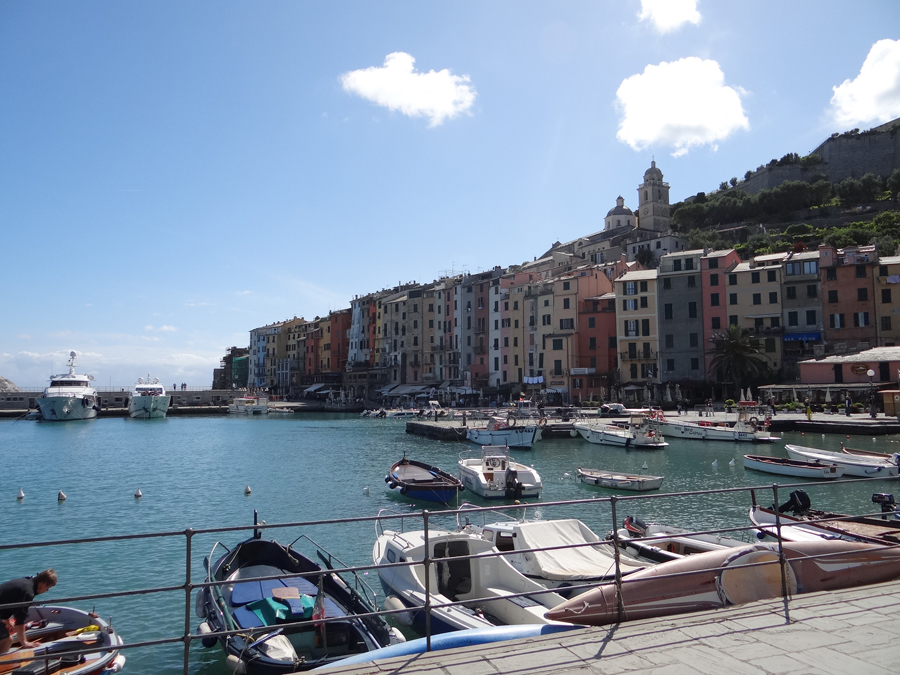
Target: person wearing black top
x=13 y=618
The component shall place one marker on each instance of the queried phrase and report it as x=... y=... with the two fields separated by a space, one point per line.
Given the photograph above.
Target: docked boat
x=653 y=542
x=148 y=399
x=865 y=453
x=854 y=465
x=639 y=433
x=792 y=467
x=418 y=480
x=721 y=578
x=747 y=429
x=509 y=432
x=483 y=583
x=60 y=631
x=278 y=598
x=619 y=481
x=800 y=522
x=493 y=475
x=69 y=397
x=399 y=413
x=249 y=405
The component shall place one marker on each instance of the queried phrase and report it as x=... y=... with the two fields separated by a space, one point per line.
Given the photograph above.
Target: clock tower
x=653 y=200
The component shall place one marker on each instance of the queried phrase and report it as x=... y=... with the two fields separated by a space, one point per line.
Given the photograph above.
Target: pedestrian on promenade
x=709 y=407
x=808 y=411
x=772 y=405
x=848 y=403
x=13 y=619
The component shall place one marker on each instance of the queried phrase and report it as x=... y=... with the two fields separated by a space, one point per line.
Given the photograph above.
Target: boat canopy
x=564 y=563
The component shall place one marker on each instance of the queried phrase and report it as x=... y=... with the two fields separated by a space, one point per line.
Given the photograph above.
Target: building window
x=773 y=297
x=713 y=279
x=676 y=265
x=713 y=263
x=631 y=329
x=714 y=299
x=732 y=279
x=630 y=288
x=716 y=323
x=692 y=310
x=791 y=292
x=793 y=319
x=566 y=285
x=545 y=320
x=770 y=345
x=862 y=294
x=694 y=340
x=667 y=311
x=670 y=341
x=557 y=367
x=757 y=298
x=645 y=327
x=810 y=317
x=692 y=281
x=565 y=303
x=592 y=322
x=754 y=277
x=861 y=319
x=611 y=342
x=634 y=371
x=832 y=296
x=557 y=344
x=831 y=274
x=836 y=321
x=695 y=364
x=592 y=343
x=567 y=324
x=812 y=291
x=885 y=295
x=860 y=271
x=885 y=323
x=771 y=275
x=732 y=320
x=643 y=302
x=775 y=322
x=643 y=286
x=757 y=323
x=670 y=365
x=667 y=284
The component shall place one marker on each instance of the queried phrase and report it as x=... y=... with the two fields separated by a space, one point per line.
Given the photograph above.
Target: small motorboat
x=720 y=579
x=482 y=582
x=60 y=631
x=854 y=465
x=249 y=405
x=746 y=429
x=493 y=475
x=792 y=467
x=619 y=481
x=808 y=524
x=652 y=542
x=277 y=598
x=509 y=432
x=639 y=433
x=418 y=480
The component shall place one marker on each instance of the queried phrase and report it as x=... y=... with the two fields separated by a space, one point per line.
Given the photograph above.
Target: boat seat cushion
x=245 y=618
x=251 y=590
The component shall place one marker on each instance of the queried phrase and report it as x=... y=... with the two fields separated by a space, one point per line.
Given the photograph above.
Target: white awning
x=313 y=388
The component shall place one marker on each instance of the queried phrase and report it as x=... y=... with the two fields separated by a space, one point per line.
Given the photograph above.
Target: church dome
x=620 y=209
x=652 y=172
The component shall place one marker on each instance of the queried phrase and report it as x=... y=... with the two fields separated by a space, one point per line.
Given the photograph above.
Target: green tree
x=893 y=184
x=647 y=258
x=849 y=191
x=733 y=181
x=736 y=355
x=871 y=186
x=723 y=185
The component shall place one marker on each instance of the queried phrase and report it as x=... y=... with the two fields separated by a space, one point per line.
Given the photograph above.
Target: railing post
x=188 y=587
x=615 y=530
x=427 y=563
x=781 y=559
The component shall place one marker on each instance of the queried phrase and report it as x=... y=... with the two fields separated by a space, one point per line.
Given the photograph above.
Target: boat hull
x=620 y=481
x=716 y=581
x=65 y=408
x=418 y=480
x=701 y=432
x=853 y=465
x=615 y=436
x=795 y=468
x=473 y=479
x=148 y=407
x=515 y=437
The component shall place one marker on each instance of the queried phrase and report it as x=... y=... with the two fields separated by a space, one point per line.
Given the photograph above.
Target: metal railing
x=187 y=588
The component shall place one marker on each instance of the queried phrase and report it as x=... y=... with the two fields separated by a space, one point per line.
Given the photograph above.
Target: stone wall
x=25 y=399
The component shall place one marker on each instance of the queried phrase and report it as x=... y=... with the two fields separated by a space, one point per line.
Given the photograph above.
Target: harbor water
x=192 y=473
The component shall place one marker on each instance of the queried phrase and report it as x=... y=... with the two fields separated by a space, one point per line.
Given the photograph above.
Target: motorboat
x=509 y=432
x=747 y=429
x=578 y=556
x=482 y=583
x=148 y=399
x=249 y=405
x=493 y=475
x=639 y=433
x=61 y=632
x=800 y=522
x=399 y=413
x=792 y=467
x=619 y=481
x=654 y=542
x=291 y=613
x=418 y=480
x=732 y=576
x=854 y=465
x=69 y=396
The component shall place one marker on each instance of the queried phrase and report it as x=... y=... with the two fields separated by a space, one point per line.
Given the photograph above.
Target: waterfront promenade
x=833 y=633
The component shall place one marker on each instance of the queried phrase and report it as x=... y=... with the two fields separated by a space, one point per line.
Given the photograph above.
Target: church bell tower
x=653 y=200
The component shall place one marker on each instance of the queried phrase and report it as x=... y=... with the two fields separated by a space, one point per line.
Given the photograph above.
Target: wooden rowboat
x=418 y=480
x=865 y=453
x=792 y=467
x=619 y=481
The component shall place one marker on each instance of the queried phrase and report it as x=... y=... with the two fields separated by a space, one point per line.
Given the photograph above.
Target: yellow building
x=637 y=327
x=753 y=302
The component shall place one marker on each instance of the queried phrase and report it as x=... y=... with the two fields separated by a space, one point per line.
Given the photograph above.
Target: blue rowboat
x=418 y=480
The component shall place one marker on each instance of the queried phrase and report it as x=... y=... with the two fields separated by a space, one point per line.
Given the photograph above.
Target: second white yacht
x=148 y=399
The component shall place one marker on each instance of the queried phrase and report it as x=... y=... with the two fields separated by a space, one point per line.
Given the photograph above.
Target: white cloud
x=683 y=104
x=23 y=336
x=168 y=329
x=669 y=15
x=875 y=93
x=397 y=86
x=148 y=327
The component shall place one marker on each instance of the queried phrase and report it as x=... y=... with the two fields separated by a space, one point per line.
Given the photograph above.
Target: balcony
x=479 y=349
x=639 y=355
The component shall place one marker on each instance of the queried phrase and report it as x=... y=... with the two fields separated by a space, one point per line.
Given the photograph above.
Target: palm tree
x=736 y=357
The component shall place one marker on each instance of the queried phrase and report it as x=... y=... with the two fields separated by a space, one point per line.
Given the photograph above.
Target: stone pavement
x=855 y=632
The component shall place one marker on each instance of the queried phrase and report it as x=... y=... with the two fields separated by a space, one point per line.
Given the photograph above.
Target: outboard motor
x=888 y=505
x=514 y=486
x=798 y=503
x=635 y=525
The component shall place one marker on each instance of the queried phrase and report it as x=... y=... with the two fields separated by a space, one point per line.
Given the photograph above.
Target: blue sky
x=174 y=174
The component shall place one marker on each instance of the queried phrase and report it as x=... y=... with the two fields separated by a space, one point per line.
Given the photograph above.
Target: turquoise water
x=192 y=472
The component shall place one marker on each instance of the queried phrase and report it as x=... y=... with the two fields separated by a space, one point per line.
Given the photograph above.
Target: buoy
x=247 y=490
x=645 y=466
x=873 y=440
x=573 y=433
x=731 y=463
x=366 y=491
x=61 y=497
x=848 y=435
x=567 y=475
x=802 y=433
x=715 y=462
x=21 y=495
x=138 y=494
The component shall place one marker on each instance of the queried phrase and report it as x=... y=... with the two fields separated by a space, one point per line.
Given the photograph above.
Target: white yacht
x=249 y=405
x=148 y=399
x=69 y=397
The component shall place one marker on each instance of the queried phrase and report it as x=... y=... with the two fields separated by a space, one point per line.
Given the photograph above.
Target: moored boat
x=865 y=453
x=654 y=542
x=59 y=631
x=853 y=465
x=619 y=481
x=148 y=399
x=792 y=467
x=719 y=579
x=639 y=433
x=249 y=405
x=493 y=475
x=747 y=428
x=418 y=480
x=509 y=432
x=69 y=397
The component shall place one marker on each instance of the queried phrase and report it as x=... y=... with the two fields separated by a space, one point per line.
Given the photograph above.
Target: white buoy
x=21 y=495
x=366 y=491
x=247 y=490
x=138 y=494
x=731 y=463
x=715 y=462
x=645 y=466
x=567 y=475
x=61 y=497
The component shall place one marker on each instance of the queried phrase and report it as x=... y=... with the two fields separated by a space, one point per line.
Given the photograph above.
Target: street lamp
x=872 y=413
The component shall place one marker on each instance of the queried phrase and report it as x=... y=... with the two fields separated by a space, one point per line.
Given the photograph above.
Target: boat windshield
x=68 y=383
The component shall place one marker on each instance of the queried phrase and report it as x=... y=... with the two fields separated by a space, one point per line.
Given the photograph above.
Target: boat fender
x=387 y=478
x=235 y=665
x=392 y=485
x=200 y=602
x=403 y=490
x=203 y=629
x=117 y=664
x=543 y=422
x=392 y=602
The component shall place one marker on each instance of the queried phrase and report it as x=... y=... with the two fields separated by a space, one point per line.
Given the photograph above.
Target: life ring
x=754 y=421
x=651 y=434
x=510 y=420
x=543 y=422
